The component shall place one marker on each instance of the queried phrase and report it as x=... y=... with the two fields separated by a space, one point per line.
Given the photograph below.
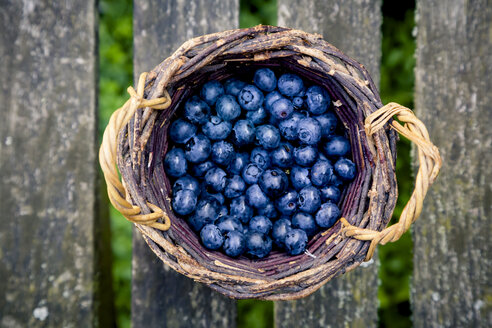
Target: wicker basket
x=136 y=140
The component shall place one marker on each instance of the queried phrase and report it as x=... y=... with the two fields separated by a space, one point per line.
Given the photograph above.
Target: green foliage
x=255 y=12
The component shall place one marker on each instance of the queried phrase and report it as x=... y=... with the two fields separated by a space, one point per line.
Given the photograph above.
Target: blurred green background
x=397 y=81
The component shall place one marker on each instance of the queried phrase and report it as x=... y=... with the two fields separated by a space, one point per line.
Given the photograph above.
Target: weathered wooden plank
x=354 y=27
x=50 y=231
x=452 y=280
x=162 y=297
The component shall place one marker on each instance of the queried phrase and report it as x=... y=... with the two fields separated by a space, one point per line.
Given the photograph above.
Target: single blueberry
x=295 y=242
x=197 y=149
x=328 y=122
x=187 y=182
x=184 y=201
x=228 y=223
x=327 y=215
x=265 y=79
x=175 y=162
x=199 y=170
x=228 y=108
x=243 y=132
x=260 y=157
x=258 y=245
x=216 y=129
x=290 y=84
x=282 y=156
x=181 y=131
x=268 y=136
x=235 y=186
x=240 y=209
x=211 y=237
x=337 y=146
x=206 y=212
x=211 y=91
x=232 y=86
x=282 y=109
x=269 y=211
x=250 y=97
x=196 y=110
x=215 y=178
x=273 y=182
x=222 y=152
x=288 y=127
x=287 y=203
x=251 y=173
x=280 y=229
x=238 y=163
x=299 y=177
x=345 y=169
x=234 y=244
x=335 y=181
x=256 y=197
x=309 y=199
x=260 y=224
x=306 y=222
x=270 y=98
x=257 y=116
x=330 y=193
x=317 y=100
x=297 y=102
x=308 y=131
x=321 y=173
x=305 y=155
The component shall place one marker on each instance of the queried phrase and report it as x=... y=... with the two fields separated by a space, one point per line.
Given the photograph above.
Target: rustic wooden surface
x=353 y=27
x=51 y=253
x=160 y=296
x=452 y=279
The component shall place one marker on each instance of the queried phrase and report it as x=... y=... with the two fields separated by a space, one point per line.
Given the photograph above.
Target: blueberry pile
x=260 y=165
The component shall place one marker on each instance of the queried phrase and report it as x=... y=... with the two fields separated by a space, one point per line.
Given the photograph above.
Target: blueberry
x=328 y=122
x=243 y=132
x=258 y=245
x=269 y=211
x=308 y=131
x=238 y=163
x=251 y=173
x=228 y=223
x=268 y=136
x=265 y=79
x=234 y=244
x=250 y=97
x=232 y=86
x=270 y=98
x=240 y=209
x=309 y=199
x=184 y=201
x=260 y=224
x=330 y=193
x=175 y=162
x=273 y=182
x=196 y=110
x=287 y=203
x=321 y=173
x=345 y=169
x=288 y=127
x=290 y=84
x=337 y=146
x=228 y=108
x=282 y=109
x=305 y=155
x=215 y=178
x=181 y=131
x=256 y=197
x=282 y=156
x=306 y=222
x=197 y=149
x=211 y=237
x=260 y=157
x=215 y=196
x=206 y=212
x=223 y=211
x=187 y=182
x=295 y=242
x=222 y=152
x=280 y=229
x=299 y=177
x=235 y=186
x=200 y=169
x=257 y=116
x=335 y=181
x=216 y=129
x=317 y=100
x=211 y=91
x=297 y=102
x=327 y=215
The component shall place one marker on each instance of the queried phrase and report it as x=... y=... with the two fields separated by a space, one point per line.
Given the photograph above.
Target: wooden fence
x=54 y=246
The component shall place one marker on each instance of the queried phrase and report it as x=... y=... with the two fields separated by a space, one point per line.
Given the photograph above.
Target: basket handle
x=430 y=164
x=107 y=157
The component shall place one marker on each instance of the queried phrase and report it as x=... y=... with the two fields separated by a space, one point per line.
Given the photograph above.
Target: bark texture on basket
x=451 y=285
x=353 y=26
x=54 y=258
x=161 y=296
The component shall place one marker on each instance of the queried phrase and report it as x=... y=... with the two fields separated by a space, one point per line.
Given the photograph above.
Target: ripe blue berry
x=280 y=229
x=270 y=98
x=215 y=178
x=257 y=116
x=181 y=131
x=211 y=237
x=308 y=131
x=232 y=86
x=321 y=173
x=295 y=242
x=228 y=108
x=317 y=100
x=268 y=136
x=187 y=182
x=196 y=110
x=297 y=102
x=282 y=156
x=282 y=109
x=288 y=127
x=228 y=223
x=306 y=222
x=198 y=148
x=260 y=224
x=235 y=186
x=269 y=211
x=222 y=152
x=260 y=157
x=175 y=162
x=345 y=169
x=243 y=132
x=337 y=146
x=184 y=201
x=216 y=129
x=199 y=170
x=206 y=212
x=250 y=97
x=287 y=203
x=234 y=244
x=327 y=215
x=251 y=173
x=240 y=209
x=265 y=79
x=238 y=163
x=330 y=193
x=256 y=197
x=328 y=122
x=273 y=182
x=211 y=91
x=258 y=245
x=299 y=177
x=305 y=155
x=309 y=199
x=290 y=84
